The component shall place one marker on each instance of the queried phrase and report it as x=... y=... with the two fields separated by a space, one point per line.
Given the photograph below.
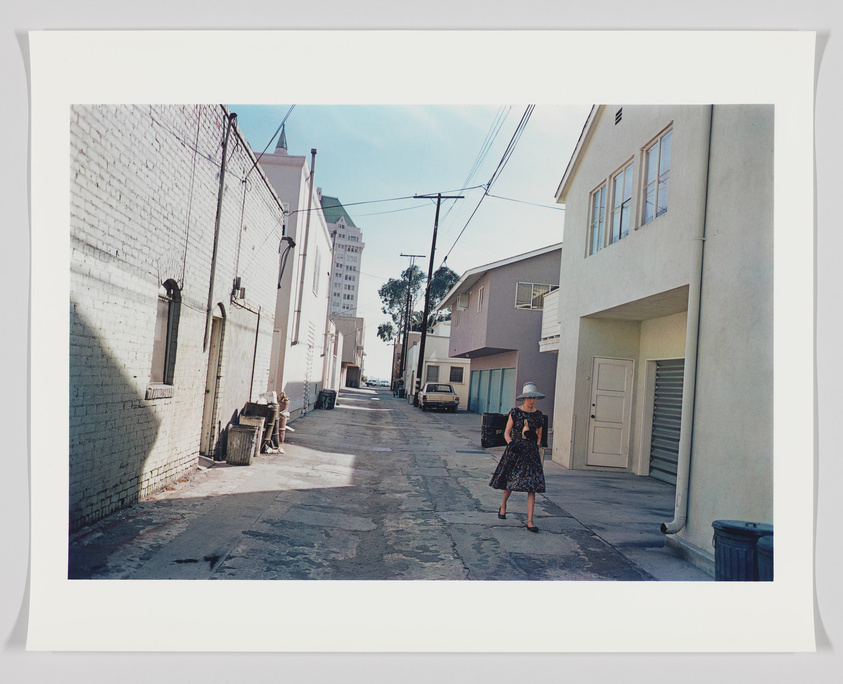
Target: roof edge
x=447 y=300
x=574 y=161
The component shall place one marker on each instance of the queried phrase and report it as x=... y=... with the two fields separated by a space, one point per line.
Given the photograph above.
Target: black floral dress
x=520 y=468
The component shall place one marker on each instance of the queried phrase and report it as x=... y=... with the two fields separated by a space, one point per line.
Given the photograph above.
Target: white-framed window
x=531 y=295
x=656 y=177
x=432 y=374
x=621 y=203
x=597 y=220
x=166 y=334
x=480 y=299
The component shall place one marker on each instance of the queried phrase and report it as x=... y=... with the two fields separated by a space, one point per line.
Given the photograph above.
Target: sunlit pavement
x=375 y=489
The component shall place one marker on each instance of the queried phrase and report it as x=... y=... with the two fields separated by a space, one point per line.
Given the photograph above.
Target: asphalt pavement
x=375 y=489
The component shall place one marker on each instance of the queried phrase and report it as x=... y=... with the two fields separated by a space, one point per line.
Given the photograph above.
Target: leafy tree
x=386 y=331
x=441 y=283
x=393 y=296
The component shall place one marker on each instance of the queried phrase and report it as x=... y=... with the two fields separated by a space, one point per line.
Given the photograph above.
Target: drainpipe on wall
x=231 y=118
x=255 y=353
x=683 y=468
x=304 y=247
x=328 y=337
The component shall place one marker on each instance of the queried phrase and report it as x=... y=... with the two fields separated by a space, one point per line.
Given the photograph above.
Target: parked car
x=438 y=395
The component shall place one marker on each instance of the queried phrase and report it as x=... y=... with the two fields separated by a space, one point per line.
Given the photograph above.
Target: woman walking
x=520 y=468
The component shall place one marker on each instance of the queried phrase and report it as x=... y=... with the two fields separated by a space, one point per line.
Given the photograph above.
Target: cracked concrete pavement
x=376 y=489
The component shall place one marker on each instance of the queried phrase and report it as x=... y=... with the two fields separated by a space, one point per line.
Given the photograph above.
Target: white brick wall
x=144 y=186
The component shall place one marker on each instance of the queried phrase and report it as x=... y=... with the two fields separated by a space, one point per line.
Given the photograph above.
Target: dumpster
x=735 y=552
x=327 y=399
x=242 y=444
x=764 y=548
x=491 y=430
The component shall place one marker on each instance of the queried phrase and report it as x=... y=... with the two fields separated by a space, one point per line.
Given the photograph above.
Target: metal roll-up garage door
x=667 y=419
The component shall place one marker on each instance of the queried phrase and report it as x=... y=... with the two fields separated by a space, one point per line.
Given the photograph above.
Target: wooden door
x=611 y=410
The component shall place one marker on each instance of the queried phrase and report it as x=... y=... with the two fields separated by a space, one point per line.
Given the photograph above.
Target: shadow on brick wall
x=112 y=428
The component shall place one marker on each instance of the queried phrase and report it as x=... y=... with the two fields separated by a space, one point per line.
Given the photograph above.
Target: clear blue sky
x=367 y=154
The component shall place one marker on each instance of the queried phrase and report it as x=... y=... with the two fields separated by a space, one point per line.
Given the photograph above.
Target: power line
x=534 y=204
x=283 y=121
x=510 y=148
x=491 y=136
x=391 y=199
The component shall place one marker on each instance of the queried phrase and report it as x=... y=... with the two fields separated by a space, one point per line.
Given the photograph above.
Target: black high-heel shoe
x=502 y=516
x=532 y=529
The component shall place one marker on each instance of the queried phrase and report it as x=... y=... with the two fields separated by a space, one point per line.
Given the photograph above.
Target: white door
x=611 y=409
x=209 y=414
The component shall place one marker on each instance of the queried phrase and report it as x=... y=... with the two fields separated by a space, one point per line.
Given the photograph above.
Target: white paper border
x=457 y=67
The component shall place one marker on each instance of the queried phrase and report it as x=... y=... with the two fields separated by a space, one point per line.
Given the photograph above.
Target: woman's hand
x=507 y=433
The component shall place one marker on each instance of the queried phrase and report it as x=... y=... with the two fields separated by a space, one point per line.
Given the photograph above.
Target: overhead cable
x=510 y=148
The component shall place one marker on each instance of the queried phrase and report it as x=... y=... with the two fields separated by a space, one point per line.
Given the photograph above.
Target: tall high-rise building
x=347 y=255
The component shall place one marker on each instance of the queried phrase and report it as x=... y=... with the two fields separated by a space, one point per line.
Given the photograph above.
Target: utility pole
x=439 y=197
x=405 y=328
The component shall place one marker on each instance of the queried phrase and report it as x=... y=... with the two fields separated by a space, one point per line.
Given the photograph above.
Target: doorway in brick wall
x=210 y=430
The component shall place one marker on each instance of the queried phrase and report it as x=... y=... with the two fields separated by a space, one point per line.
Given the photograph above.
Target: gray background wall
x=14 y=497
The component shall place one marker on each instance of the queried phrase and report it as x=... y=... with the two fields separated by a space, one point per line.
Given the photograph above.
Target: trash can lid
x=743 y=527
x=766 y=542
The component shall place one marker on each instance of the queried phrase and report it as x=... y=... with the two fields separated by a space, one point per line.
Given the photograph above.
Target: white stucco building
x=303 y=329
x=346 y=257
x=663 y=322
x=438 y=366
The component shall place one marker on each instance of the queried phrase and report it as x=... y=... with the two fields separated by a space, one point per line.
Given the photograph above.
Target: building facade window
x=656 y=177
x=621 y=202
x=480 y=299
x=432 y=374
x=456 y=373
x=531 y=295
x=597 y=222
x=166 y=335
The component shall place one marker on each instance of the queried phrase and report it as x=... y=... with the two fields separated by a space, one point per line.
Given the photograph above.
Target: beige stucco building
x=303 y=330
x=438 y=366
x=663 y=321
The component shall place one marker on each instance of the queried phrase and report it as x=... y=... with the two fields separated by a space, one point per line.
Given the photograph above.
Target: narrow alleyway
x=375 y=489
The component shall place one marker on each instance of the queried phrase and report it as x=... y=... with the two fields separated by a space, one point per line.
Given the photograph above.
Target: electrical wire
x=391 y=199
x=507 y=155
x=491 y=136
x=277 y=131
x=534 y=204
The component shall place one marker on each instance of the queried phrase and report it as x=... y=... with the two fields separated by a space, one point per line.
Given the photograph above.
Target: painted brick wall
x=144 y=189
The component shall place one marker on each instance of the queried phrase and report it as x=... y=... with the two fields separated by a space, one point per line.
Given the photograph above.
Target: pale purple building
x=496 y=321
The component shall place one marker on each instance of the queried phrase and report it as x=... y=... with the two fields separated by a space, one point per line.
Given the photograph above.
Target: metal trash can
x=735 y=552
x=764 y=549
x=492 y=429
x=242 y=444
x=327 y=399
